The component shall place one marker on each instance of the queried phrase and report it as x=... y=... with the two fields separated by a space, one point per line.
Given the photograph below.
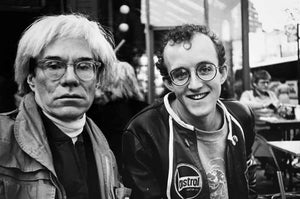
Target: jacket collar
x=30 y=133
x=31 y=136
x=228 y=116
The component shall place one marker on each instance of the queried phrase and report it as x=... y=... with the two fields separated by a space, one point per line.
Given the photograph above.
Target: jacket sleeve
x=251 y=164
x=139 y=171
x=244 y=114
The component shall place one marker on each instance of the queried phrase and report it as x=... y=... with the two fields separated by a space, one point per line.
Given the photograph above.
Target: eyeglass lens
x=205 y=71
x=55 y=69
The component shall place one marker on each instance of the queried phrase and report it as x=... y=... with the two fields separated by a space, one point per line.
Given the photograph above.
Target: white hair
x=47 y=29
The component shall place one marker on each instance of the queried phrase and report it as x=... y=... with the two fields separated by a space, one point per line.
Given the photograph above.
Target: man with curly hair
x=190 y=144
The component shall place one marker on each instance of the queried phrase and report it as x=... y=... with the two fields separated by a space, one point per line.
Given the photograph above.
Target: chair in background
x=261 y=147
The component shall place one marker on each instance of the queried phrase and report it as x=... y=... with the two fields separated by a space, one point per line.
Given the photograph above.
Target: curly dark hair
x=184 y=33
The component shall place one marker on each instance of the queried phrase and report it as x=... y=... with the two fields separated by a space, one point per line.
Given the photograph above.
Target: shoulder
x=244 y=115
x=149 y=111
x=7 y=121
x=11 y=114
x=7 y=139
x=247 y=93
x=237 y=108
x=151 y=119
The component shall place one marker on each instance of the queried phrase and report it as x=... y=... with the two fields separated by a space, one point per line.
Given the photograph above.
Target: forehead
x=199 y=49
x=67 y=48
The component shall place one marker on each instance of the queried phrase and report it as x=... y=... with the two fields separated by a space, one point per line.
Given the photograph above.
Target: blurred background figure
x=117 y=101
x=264 y=103
x=261 y=99
x=283 y=91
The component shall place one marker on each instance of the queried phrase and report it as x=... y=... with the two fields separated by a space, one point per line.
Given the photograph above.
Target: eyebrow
x=76 y=60
x=197 y=64
x=204 y=62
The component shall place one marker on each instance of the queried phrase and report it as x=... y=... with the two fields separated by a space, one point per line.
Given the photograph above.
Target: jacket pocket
x=33 y=185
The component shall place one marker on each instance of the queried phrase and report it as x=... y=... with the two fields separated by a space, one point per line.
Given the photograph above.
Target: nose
x=70 y=77
x=195 y=82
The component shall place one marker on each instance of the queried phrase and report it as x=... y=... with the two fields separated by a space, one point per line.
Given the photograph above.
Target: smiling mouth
x=198 y=96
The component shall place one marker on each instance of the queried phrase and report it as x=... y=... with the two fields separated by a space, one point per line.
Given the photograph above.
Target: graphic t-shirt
x=211 y=149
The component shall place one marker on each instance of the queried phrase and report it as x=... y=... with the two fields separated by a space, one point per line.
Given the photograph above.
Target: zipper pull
x=234 y=140
x=187 y=142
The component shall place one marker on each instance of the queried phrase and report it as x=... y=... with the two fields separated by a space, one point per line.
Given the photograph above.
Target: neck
x=70 y=128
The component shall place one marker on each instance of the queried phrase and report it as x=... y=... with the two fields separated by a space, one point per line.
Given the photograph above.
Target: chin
x=200 y=111
x=68 y=114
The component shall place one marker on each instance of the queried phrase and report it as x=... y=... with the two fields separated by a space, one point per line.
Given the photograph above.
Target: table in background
x=292 y=148
x=283 y=125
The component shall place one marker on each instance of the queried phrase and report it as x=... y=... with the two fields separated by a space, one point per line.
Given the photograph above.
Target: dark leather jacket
x=161 y=157
x=26 y=164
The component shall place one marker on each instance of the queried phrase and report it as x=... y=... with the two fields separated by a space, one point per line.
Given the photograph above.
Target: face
x=262 y=85
x=67 y=98
x=196 y=98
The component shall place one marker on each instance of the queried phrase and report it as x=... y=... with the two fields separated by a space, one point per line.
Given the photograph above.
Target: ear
x=224 y=73
x=31 y=82
x=168 y=84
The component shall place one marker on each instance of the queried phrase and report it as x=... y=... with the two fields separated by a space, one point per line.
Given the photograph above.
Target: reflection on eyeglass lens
x=205 y=71
x=55 y=69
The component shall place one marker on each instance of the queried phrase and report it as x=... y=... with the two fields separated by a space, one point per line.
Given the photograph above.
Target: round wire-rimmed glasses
x=85 y=70
x=204 y=71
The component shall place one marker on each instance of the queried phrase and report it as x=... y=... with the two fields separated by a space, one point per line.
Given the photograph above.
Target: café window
x=273 y=31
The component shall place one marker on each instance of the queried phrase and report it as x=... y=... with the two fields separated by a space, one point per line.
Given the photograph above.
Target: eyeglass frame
x=97 y=65
x=189 y=76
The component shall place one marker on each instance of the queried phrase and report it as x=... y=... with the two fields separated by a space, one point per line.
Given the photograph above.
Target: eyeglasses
x=55 y=69
x=205 y=71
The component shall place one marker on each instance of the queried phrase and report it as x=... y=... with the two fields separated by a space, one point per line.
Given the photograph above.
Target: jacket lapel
x=31 y=136
x=104 y=160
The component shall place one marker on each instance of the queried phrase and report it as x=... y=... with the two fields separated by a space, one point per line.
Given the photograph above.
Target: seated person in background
x=48 y=147
x=119 y=100
x=263 y=101
x=190 y=144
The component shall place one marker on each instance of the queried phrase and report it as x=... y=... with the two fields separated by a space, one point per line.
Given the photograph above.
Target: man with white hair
x=48 y=147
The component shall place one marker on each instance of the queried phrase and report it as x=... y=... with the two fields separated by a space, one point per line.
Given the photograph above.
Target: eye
x=84 y=66
x=53 y=65
x=205 y=69
x=180 y=74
